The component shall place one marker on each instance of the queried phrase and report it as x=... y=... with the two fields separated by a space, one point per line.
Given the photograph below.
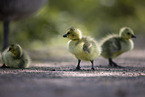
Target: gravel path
x=55 y=77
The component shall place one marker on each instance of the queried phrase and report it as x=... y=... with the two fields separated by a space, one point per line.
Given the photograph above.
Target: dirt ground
x=52 y=75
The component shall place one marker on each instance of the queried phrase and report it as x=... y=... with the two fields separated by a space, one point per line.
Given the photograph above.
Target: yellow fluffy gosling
x=15 y=57
x=115 y=45
x=84 y=48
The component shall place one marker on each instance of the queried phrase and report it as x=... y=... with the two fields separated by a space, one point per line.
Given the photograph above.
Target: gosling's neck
x=77 y=38
x=124 y=38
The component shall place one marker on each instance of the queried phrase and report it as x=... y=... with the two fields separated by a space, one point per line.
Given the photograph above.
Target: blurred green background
x=96 y=18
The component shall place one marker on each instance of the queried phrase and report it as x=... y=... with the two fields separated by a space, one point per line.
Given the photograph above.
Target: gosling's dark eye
x=128 y=33
x=10 y=49
x=68 y=33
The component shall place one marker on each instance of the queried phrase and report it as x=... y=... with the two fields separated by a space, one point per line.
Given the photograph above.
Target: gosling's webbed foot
x=113 y=64
x=4 y=66
x=78 y=68
x=93 y=69
x=116 y=66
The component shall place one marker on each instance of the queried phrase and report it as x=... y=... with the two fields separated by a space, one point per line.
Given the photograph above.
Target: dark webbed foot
x=4 y=66
x=93 y=69
x=116 y=66
x=113 y=64
x=78 y=68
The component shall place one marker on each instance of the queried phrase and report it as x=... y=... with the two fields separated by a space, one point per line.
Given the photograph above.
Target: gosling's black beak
x=65 y=35
x=133 y=36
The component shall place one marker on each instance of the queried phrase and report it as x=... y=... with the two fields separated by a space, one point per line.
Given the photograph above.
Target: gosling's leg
x=110 y=62
x=113 y=64
x=4 y=66
x=78 y=66
x=92 y=61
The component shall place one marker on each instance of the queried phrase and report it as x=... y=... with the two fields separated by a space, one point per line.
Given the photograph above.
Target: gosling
x=15 y=57
x=115 y=45
x=84 y=48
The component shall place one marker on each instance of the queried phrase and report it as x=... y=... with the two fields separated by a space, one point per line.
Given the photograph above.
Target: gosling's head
x=73 y=34
x=16 y=50
x=127 y=33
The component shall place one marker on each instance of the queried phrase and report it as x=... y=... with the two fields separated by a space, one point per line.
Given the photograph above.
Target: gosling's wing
x=112 y=45
x=24 y=61
x=87 y=47
x=116 y=43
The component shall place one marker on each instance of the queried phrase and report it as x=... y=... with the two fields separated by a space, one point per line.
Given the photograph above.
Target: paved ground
x=42 y=81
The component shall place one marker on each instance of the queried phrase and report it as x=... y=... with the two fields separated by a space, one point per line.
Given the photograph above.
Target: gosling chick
x=115 y=45
x=84 y=48
x=15 y=57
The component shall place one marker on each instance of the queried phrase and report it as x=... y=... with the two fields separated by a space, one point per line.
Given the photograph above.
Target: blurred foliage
x=93 y=17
